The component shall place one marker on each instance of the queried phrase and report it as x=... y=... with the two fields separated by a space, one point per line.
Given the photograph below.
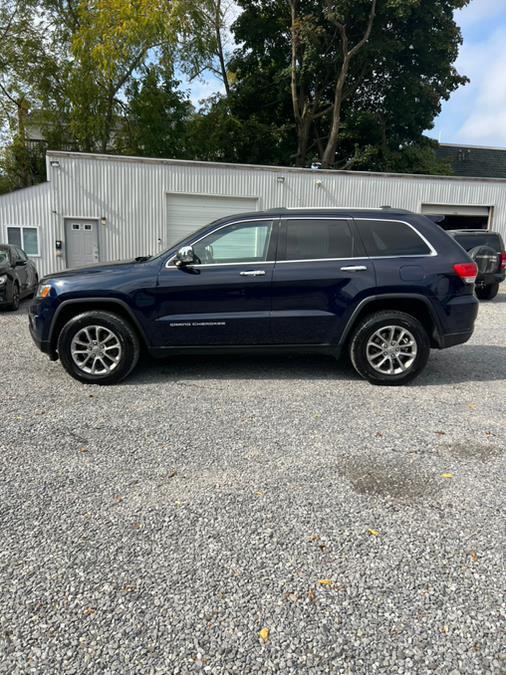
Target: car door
x=224 y=299
x=21 y=269
x=321 y=273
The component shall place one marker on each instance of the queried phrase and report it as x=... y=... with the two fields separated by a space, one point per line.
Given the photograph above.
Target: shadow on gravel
x=480 y=452
x=467 y=363
x=402 y=481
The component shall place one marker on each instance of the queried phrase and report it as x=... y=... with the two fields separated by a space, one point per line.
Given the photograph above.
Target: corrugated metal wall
x=31 y=207
x=131 y=194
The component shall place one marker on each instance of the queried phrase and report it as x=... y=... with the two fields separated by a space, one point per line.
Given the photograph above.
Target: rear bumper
x=486 y=279
x=458 y=324
x=452 y=339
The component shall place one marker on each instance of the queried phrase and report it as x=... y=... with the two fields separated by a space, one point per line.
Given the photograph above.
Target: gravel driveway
x=160 y=525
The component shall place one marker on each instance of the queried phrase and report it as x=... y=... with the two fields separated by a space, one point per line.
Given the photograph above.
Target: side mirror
x=20 y=263
x=185 y=256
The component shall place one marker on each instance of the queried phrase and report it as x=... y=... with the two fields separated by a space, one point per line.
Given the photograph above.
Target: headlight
x=3 y=279
x=43 y=290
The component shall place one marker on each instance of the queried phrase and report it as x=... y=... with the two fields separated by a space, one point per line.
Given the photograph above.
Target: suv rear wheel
x=98 y=347
x=487 y=291
x=389 y=348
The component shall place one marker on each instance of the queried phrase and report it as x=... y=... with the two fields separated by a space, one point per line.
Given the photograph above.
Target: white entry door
x=81 y=245
x=188 y=212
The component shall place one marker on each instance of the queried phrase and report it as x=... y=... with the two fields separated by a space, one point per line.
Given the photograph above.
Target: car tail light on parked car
x=503 y=260
x=467 y=272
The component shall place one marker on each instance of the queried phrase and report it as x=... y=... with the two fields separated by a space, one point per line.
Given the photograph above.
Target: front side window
x=314 y=239
x=242 y=242
x=384 y=238
x=25 y=238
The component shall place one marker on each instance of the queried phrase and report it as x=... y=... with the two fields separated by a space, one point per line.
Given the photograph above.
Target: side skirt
x=163 y=352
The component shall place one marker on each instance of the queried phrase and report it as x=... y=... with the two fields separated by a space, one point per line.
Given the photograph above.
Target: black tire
x=487 y=291
x=367 y=328
x=15 y=298
x=127 y=352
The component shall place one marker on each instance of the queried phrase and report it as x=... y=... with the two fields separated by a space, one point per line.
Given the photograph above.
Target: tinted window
x=21 y=255
x=318 y=239
x=244 y=242
x=469 y=241
x=386 y=238
x=14 y=236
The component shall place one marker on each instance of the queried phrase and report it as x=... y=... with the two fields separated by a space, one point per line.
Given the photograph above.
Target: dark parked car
x=384 y=286
x=18 y=276
x=487 y=250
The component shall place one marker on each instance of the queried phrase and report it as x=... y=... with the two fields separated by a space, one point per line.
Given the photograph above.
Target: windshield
x=4 y=256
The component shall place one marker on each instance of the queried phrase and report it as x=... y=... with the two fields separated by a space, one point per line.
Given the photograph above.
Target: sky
x=475 y=113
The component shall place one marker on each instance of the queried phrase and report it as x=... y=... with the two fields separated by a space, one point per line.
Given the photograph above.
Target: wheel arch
x=71 y=308
x=404 y=302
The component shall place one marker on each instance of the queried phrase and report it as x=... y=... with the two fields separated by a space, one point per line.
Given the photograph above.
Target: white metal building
x=102 y=207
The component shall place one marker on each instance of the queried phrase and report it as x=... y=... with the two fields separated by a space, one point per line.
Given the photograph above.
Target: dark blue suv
x=383 y=285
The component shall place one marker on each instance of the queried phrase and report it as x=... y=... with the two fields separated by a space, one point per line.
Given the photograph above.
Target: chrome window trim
x=432 y=253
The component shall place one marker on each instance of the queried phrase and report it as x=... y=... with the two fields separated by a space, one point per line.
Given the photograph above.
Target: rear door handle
x=354 y=268
x=253 y=273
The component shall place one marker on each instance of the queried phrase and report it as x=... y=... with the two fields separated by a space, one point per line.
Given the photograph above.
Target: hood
x=4 y=268
x=94 y=270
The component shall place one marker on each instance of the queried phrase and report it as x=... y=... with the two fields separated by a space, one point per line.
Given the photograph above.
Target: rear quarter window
x=391 y=238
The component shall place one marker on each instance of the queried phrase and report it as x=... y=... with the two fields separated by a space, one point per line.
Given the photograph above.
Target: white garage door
x=455 y=210
x=186 y=213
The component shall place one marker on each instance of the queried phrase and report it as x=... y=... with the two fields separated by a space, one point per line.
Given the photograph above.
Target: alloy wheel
x=391 y=350
x=96 y=350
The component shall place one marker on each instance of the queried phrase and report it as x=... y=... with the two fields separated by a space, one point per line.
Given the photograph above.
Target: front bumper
x=35 y=326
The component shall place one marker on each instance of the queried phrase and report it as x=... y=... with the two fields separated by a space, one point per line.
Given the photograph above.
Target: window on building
x=25 y=238
x=313 y=239
x=390 y=238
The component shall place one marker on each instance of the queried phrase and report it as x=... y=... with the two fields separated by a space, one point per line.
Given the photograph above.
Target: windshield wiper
x=143 y=258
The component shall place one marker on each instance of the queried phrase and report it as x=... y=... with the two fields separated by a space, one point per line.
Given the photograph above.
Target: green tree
x=205 y=42
x=339 y=60
x=157 y=116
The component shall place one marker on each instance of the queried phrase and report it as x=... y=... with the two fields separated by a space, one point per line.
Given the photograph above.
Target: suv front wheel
x=389 y=348
x=98 y=347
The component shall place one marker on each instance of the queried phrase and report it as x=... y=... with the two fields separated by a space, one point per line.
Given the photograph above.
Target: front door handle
x=354 y=268
x=253 y=273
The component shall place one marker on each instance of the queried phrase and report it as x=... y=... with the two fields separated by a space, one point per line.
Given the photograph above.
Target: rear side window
x=318 y=239
x=390 y=238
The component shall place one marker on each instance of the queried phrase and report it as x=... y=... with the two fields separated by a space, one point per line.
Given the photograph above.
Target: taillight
x=503 y=260
x=467 y=272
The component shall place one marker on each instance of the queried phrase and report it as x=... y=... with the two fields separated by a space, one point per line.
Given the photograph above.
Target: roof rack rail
x=393 y=209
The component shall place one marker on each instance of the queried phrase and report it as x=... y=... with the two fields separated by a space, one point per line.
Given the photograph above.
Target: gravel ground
x=158 y=526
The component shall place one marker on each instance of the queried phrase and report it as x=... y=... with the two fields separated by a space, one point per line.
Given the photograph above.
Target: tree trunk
x=303 y=131
x=106 y=133
x=329 y=155
x=221 y=56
